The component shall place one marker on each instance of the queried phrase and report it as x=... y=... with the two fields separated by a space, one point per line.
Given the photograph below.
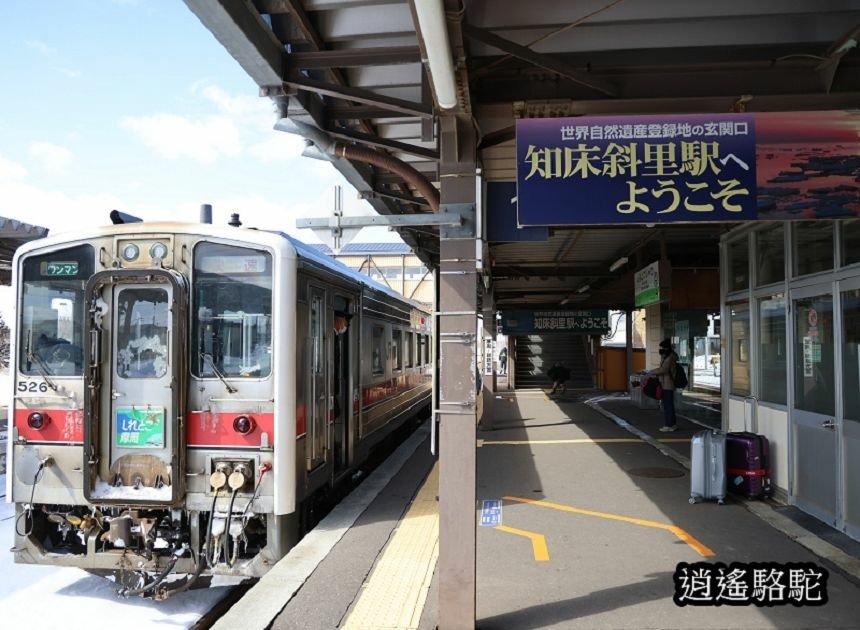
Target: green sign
x=647 y=285
x=69 y=268
x=140 y=427
x=648 y=296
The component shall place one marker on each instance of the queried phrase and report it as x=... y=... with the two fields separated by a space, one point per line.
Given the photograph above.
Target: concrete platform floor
x=594 y=522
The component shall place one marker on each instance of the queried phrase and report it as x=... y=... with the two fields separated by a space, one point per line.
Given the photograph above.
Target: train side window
x=232 y=306
x=410 y=349
x=378 y=351
x=397 y=349
x=428 y=351
x=316 y=334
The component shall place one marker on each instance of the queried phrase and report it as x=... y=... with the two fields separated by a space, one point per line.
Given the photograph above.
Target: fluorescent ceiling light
x=618 y=263
x=583 y=289
x=434 y=32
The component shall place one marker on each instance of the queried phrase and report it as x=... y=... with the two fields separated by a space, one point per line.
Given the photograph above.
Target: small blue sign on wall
x=636 y=169
x=491 y=513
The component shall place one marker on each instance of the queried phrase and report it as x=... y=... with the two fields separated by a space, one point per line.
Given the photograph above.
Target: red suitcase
x=748 y=464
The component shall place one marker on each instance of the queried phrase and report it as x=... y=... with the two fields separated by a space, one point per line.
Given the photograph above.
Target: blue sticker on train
x=491 y=513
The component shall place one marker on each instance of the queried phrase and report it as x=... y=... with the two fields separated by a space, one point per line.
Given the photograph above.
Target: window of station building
x=410 y=349
x=850 y=242
x=814 y=384
x=739 y=265
x=813 y=247
x=770 y=254
x=739 y=322
x=773 y=350
x=415 y=273
x=377 y=361
x=851 y=354
x=397 y=349
x=428 y=352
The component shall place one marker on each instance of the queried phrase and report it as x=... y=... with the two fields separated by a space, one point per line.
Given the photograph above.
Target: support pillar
x=458 y=323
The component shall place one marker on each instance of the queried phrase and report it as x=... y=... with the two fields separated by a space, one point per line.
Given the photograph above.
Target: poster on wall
x=688 y=168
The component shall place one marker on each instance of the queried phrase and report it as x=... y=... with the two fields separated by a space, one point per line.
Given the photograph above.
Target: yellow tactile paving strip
x=394 y=594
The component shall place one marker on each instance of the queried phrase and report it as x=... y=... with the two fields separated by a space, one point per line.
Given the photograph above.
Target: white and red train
x=182 y=391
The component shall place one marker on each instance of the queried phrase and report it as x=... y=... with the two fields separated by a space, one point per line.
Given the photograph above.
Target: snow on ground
x=58 y=598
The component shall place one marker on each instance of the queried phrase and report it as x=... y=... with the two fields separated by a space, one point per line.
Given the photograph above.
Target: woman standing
x=666 y=374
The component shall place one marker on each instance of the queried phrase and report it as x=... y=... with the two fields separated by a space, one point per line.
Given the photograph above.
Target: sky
x=133 y=105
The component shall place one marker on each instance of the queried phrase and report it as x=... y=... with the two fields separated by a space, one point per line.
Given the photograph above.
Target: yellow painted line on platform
x=396 y=591
x=680 y=533
x=539 y=548
x=575 y=441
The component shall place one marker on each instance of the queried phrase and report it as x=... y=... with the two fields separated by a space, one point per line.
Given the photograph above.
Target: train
x=183 y=391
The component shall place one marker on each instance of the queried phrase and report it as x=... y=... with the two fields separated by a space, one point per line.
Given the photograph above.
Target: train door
x=341 y=411
x=133 y=429
x=318 y=395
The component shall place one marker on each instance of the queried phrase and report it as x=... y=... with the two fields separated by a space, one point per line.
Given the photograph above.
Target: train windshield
x=50 y=341
x=232 y=327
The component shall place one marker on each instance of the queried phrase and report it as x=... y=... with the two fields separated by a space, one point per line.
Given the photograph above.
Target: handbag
x=651 y=387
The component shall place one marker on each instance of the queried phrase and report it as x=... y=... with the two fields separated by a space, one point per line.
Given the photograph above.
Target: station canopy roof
x=357 y=72
x=13 y=234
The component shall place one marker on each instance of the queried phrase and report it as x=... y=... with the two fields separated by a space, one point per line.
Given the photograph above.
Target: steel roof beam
x=354 y=58
x=538 y=59
x=245 y=35
x=375 y=141
x=359 y=95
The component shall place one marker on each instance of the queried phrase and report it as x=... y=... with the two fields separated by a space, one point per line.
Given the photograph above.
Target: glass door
x=814 y=428
x=850 y=420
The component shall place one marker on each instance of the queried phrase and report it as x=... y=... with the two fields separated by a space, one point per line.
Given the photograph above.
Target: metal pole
x=628 y=322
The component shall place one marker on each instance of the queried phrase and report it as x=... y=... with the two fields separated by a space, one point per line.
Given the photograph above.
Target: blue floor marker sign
x=491 y=513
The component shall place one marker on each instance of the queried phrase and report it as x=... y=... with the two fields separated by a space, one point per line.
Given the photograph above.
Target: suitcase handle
x=755 y=401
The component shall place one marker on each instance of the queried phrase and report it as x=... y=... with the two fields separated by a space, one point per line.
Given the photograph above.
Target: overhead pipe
x=390 y=163
x=434 y=31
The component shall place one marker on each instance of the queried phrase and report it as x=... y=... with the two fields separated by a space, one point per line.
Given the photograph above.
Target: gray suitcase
x=708 y=466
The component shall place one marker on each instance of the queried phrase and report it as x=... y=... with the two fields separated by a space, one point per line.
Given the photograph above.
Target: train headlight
x=243 y=424
x=158 y=251
x=130 y=252
x=37 y=421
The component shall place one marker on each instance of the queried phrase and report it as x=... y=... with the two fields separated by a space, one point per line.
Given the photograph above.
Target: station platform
x=594 y=522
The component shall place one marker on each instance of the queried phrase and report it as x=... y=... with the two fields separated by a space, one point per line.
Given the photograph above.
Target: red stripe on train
x=63 y=425
x=206 y=428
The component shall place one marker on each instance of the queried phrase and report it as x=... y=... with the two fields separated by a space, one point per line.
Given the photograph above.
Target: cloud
x=52 y=157
x=278 y=146
x=41 y=47
x=172 y=136
x=10 y=170
x=70 y=74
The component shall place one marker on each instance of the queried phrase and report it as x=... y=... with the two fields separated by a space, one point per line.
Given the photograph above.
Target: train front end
x=144 y=429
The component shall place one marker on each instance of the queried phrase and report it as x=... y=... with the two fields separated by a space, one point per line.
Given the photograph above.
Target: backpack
x=680 y=378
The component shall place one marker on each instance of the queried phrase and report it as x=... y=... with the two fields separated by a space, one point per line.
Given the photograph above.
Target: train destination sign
x=687 y=168
x=140 y=428
x=65 y=268
x=532 y=322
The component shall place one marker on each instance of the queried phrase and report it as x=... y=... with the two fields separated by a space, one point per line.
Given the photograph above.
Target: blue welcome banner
x=642 y=169
x=532 y=322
